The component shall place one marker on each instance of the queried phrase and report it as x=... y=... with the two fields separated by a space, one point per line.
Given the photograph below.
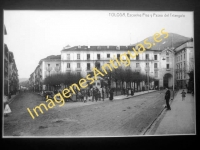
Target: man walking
x=167 y=97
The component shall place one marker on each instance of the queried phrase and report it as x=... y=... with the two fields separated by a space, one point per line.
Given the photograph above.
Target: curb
x=11 y=99
x=134 y=96
x=161 y=113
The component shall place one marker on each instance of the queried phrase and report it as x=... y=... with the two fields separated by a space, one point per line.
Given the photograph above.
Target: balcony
x=88 y=69
x=78 y=69
x=168 y=69
x=68 y=69
x=156 y=69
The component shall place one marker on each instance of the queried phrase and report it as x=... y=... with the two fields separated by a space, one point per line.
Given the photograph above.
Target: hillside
x=173 y=40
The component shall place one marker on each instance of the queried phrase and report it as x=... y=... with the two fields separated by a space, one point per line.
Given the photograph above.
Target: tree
x=65 y=78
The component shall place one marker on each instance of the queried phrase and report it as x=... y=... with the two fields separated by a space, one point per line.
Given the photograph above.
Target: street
x=103 y=118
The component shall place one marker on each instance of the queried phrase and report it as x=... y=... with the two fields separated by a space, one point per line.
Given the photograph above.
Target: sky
x=34 y=35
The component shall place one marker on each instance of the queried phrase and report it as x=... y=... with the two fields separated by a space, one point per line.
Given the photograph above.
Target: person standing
x=167 y=97
x=183 y=95
x=132 y=92
x=103 y=92
x=127 y=92
x=96 y=94
x=93 y=92
x=111 y=94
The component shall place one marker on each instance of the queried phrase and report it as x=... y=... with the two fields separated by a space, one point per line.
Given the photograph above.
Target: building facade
x=11 y=80
x=166 y=68
x=46 y=67
x=184 y=63
x=82 y=59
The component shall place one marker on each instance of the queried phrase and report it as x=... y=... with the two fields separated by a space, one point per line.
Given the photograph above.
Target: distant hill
x=22 y=79
x=173 y=39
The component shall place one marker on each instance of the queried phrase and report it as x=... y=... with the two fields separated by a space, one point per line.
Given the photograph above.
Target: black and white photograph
x=98 y=73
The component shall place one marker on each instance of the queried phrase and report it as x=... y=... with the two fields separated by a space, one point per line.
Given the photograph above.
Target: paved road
x=108 y=118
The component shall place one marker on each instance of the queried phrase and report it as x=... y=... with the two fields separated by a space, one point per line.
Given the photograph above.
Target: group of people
x=128 y=91
x=95 y=94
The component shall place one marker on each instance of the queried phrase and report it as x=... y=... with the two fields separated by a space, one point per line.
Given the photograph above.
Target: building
x=82 y=59
x=46 y=67
x=184 y=63
x=11 y=81
x=157 y=62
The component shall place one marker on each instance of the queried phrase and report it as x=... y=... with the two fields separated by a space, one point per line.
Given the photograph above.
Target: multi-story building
x=50 y=65
x=156 y=62
x=184 y=63
x=46 y=67
x=11 y=81
x=82 y=59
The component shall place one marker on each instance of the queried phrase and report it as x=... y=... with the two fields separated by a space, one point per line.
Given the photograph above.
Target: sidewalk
x=120 y=97
x=180 y=119
x=70 y=105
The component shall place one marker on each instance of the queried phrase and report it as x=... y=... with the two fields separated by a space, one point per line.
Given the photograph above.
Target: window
x=68 y=56
x=181 y=57
x=88 y=66
x=118 y=56
x=167 y=59
x=98 y=65
x=147 y=64
x=167 y=52
x=155 y=65
x=137 y=65
x=88 y=56
x=78 y=65
x=78 y=56
x=155 y=57
x=48 y=65
x=184 y=55
x=68 y=65
x=167 y=66
x=57 y=65
x=156 y=73
x=147 y=56
x=137 y=57
x=108 y=55
x=98 y=56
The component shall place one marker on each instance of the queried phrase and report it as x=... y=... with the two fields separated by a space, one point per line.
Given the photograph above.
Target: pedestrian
x=127 y=92
x=167 y=97
x=111 y=94
x=183 y=95
x=132 y=92
x=103 y=91
x=100 y=93
x=85 y=94
x=124 y=90
x=93 y=92
x=96 y=94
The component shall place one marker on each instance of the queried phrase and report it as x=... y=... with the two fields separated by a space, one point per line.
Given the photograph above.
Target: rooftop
x=173 y=40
